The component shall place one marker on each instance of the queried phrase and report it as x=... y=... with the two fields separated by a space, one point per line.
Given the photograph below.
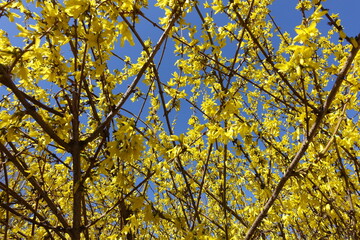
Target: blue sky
x=283 y=12
x=287 y=17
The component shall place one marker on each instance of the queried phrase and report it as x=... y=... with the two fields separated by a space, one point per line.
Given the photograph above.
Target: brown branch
x=47 y=227
x=338 y=27
x=75 y=152
x=232 y=71
x=202 y=183
x=269 y=59
x=132 y=86
x=23 y=202
x=305 y=144
x=7 y=199
x=211 y=194
x=349 y=193
x=121 y=200
x=23 y=169
x=41 y=105
x=43 y=222
x=5 y=78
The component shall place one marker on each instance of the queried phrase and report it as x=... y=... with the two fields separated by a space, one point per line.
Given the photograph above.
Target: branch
x=269 y=59
x=40 y=104
x=23 y=169
x=132 y=86
x=5 y=78
x=305 y=144
x=121 y=200
x=43 y=222
x=47 y=227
